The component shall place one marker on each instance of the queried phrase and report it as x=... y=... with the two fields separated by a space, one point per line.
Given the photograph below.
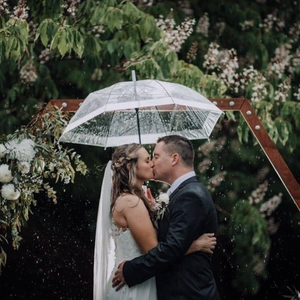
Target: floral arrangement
x=161 y=204
x=31 y=161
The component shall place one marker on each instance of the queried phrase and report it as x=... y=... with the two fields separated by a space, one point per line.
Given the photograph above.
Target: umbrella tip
x=133 y=76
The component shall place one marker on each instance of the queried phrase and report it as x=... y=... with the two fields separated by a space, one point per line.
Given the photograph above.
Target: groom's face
x=162 y=163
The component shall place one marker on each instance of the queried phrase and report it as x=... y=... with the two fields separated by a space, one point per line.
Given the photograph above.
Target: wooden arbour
x=243 y=106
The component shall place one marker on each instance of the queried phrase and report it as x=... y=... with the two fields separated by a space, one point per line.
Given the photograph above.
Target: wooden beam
x=69 y=105
x=267 y=145
x=243 y=106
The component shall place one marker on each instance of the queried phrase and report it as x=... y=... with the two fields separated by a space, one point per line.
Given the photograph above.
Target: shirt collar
x=179 y=181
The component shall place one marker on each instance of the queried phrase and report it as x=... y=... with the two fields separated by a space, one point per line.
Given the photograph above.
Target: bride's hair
x=124 y=163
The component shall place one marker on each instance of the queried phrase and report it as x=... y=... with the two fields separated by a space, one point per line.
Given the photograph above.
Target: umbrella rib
x=109 y=96
x=165 y=90
x=191 y=110
x=164 y=125
x=113 y=113
x=175 y=104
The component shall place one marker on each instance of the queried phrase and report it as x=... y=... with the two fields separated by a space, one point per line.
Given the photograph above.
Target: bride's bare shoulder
x=127 y=200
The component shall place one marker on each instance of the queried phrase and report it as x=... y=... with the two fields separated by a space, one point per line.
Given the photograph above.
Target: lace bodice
x=126 y=247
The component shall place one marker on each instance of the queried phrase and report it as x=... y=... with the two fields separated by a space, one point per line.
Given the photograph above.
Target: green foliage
x=14 y=39
x=46 y=31
x=252 y=242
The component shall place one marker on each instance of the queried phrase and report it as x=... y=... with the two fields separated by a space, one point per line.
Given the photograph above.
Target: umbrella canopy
x=140 y=112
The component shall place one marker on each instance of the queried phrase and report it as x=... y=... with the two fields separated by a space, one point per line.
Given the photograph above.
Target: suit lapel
x=183 y=184
x=164 y=223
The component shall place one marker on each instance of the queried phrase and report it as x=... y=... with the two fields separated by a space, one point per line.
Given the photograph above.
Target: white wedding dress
x=112 y=246
x=127 y=249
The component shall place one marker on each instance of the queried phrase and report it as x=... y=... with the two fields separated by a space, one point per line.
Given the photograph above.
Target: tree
x=67 y=49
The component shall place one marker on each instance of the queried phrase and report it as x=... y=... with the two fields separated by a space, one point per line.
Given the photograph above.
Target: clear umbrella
x=140 y=112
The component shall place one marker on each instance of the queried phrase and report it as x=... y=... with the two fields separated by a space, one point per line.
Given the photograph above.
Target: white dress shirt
x=179 y=181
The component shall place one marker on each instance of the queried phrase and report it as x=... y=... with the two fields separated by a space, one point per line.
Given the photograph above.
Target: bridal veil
x=104 y=255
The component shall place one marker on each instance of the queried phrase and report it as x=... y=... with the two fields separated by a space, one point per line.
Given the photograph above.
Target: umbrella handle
x=138 y=123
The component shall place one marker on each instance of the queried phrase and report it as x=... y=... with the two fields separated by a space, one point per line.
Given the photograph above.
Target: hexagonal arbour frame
x=235 y=104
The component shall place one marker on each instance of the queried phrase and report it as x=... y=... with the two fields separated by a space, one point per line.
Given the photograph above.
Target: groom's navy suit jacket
x=190 y=213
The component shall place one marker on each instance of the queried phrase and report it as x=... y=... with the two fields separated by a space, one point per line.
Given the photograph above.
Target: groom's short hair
x=180 y=145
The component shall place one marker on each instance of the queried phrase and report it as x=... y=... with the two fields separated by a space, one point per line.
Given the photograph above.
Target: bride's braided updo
x=124 y=164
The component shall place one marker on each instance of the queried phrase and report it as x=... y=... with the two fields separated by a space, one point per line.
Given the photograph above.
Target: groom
x=190 y=213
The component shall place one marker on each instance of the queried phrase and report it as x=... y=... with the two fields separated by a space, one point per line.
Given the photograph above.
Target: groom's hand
x=119 y=280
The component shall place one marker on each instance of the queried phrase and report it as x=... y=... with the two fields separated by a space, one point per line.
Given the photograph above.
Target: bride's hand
x=205 y=243
x=150 y=198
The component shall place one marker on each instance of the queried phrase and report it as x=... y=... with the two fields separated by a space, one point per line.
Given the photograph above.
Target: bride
x=125 y=225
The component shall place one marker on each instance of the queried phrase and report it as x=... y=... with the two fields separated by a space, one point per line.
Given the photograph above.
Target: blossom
x=22 y=151
x=3 y=150
x=247 y=76
x=281 y=61
x=9 y=192
x=3 y=8
x=203 y=25
x=247 y=24
x=283 y=90
x=21 y=11
x=297 y=94
x=174 y=37
x=161 y=204
x=5 y=174
x=211 y=58
x=269 y=22
x=216 y=181
x=268 y=207
x=70 y=8
x=221 y=27
x=24 y=167
x=259 y=89
x=204 y=165
x=294 y=32
x=51 y=166
x=225 y=61
x=228 y=64
x=207 y=147
x=98 y=30
x=45 y=55
x=97 y=75
x=148 y=2
x=28 y=73
x=192 y=54
x=259 y=194
x=32 y=30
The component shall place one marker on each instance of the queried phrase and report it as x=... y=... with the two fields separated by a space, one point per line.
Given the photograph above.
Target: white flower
x=161 y=204
x=3 y=150
x=24 y=167
x=22 y=151
x=51 y=167
x=5 y=174
x=175 y=36
x=203 y=25
x=164 y=198
x=28 y=73
x=9 y=192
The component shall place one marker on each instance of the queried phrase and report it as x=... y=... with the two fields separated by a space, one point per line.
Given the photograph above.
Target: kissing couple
x=139 y=257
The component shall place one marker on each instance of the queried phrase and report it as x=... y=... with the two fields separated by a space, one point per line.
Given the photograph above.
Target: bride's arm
x=144 y=234
x=139 y=223
x=205 y=243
